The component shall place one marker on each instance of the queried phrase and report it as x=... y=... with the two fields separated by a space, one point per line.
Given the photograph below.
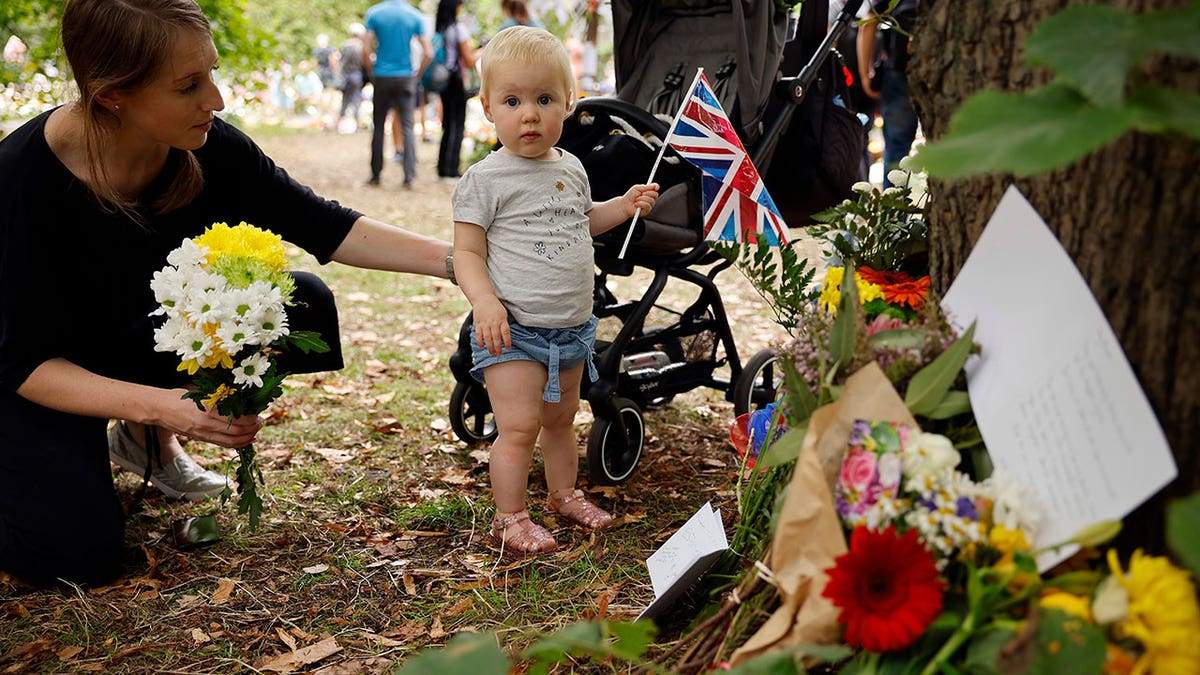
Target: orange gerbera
x=884 y=278
x=911 y=293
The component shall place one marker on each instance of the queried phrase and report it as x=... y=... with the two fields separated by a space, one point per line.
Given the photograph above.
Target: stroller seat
x=617 y=142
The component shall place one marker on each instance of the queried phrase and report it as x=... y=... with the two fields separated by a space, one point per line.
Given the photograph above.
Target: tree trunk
x=1126 y=214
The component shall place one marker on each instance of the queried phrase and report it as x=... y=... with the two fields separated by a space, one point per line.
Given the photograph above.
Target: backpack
x=437 y=75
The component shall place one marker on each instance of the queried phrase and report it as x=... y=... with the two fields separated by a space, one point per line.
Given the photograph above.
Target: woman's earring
x=116 y=107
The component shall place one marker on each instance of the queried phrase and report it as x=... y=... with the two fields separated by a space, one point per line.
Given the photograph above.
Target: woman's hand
x=181 y=416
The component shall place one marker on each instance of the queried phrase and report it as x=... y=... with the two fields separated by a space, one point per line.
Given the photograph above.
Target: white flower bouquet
x=224 y=295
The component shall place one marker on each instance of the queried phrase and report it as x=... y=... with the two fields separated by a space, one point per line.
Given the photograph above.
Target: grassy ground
x=371 y=545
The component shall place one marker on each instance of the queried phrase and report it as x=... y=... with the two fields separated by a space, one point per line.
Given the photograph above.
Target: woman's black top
x=75 y=280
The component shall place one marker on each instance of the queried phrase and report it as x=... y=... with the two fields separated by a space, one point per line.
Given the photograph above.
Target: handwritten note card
x=1056 y=400
x=683 y=558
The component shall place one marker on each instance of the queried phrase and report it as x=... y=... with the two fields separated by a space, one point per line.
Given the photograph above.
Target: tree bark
x=1127 y=214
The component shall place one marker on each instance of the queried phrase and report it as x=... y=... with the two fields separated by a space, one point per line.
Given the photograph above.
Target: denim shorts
x=555 y=348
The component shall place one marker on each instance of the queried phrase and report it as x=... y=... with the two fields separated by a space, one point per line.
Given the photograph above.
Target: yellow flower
x=223 y=392
x=245 y=241
x=1008 y=541
x=1163 y=614
x=831 y=289
x=1068 y=603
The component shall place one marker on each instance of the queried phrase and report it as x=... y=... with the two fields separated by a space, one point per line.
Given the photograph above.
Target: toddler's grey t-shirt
x=539 y=242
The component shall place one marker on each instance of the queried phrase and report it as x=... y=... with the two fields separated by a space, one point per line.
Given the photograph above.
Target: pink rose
x=858 y=470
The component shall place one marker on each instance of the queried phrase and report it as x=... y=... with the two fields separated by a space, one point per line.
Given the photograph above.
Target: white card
x=1057 y=402
x=684 y=557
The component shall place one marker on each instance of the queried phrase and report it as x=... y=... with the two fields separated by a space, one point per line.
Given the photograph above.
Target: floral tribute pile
x=940 y=576
x=224 y=295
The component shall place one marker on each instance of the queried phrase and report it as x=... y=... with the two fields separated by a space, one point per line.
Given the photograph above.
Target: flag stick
x=666 y=141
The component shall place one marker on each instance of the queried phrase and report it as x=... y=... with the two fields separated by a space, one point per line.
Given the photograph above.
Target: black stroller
x=657 y=48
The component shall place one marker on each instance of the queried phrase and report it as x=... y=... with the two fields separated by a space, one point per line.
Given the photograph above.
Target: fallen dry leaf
x=297 y=659
x=316 y=569
x=199 y=636
x=223 y=593
x=335 y=455
x=286 y=638
x=410 y=630
x=68 y=653
x=460 y=606
x=436 y=632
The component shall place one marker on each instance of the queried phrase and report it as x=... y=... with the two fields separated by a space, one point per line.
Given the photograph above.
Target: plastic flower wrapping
x=224 y=296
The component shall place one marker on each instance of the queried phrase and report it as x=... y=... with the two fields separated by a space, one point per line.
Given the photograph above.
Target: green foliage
x=931 y=385
x=883 y=230
x=476 y=653
x=1095 y=97
x=1183 y=531
x=783 y=284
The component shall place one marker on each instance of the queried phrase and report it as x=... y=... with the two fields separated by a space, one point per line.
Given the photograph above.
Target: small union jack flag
x=737 y=206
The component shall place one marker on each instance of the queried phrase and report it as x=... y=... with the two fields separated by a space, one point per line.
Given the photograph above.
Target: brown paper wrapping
x=809 y=535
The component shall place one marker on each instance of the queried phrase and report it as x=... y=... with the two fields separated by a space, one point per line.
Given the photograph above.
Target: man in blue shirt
x=388 y=57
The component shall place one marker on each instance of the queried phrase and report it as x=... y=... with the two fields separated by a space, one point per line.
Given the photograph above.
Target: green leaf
x=1024 y=134
x=777 y=662
x=632 y=638
x=1183 y=526
x=897 y=338
x=1157 y=109
x=1062 y=43
x=475 y=653
x=955 y=402
x=1097 y=534
x=929 y=386
x=984 y=648
x=1172 y=31
x=576 y=638
x=307 y=341
x=783 y=450
x=1067 y=645
x=843 y=333
x=801 y=401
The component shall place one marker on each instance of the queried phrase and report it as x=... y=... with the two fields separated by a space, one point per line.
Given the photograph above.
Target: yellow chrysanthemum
x=831 y=289
x=223 y=392
x=1163 y=614
x=219 y=357
x=1008 y=541
x=1068 y=603
x=245 y=241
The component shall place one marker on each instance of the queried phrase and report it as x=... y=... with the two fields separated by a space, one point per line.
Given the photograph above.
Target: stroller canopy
x=658 y=44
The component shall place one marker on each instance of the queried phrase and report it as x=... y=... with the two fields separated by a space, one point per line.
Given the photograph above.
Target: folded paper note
x=684 y=557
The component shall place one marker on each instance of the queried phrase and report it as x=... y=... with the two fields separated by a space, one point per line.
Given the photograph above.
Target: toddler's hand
x=641 y=197
x=491 y=326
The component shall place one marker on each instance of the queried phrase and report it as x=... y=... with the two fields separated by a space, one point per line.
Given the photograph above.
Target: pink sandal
x=574 y=506
x=519 y=535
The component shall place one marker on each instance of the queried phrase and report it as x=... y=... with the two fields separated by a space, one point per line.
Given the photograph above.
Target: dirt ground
x=371 y=546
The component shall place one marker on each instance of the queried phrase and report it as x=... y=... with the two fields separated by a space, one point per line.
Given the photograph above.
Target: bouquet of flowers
x=940 y=576
x=224 y=294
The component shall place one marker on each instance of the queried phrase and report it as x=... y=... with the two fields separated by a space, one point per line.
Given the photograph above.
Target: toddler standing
x=524 y=222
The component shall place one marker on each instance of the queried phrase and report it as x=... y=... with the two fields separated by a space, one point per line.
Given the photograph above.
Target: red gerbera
x=887 y=587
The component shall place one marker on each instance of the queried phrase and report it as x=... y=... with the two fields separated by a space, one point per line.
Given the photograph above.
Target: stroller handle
x=797 y=87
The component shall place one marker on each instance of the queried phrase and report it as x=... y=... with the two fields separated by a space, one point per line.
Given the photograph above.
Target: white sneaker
x=181 y=478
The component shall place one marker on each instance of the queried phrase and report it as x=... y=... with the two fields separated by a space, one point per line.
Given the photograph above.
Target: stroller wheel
x=613 y=456
x=471 y=413
x=758 y=384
